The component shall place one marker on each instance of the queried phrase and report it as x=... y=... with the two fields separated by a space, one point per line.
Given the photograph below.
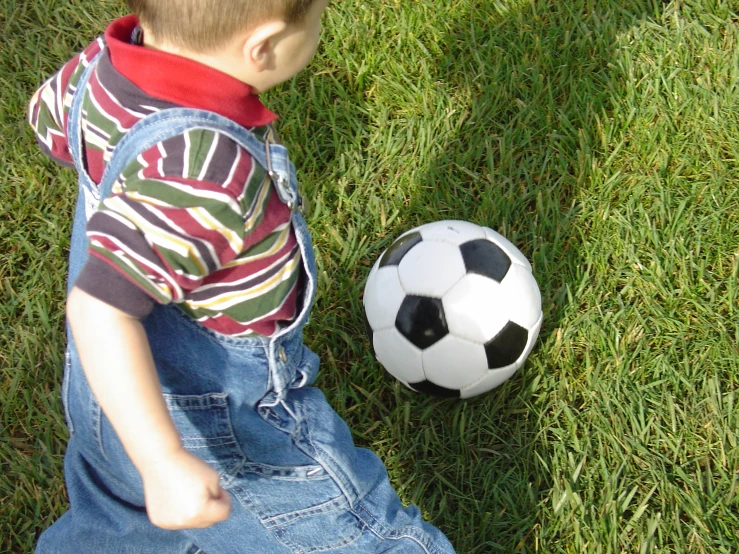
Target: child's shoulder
x=49 y=106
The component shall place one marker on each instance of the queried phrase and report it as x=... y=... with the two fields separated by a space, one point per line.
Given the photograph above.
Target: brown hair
x=206 y=25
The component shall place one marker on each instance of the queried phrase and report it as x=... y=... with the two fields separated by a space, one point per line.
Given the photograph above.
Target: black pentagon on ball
x=421 y=320
x=507 y=346
x=433 y=389
x=486 y=258
x=399 y=248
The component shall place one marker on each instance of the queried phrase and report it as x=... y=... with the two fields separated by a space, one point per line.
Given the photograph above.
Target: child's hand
x=182 y=492
x=180 y=489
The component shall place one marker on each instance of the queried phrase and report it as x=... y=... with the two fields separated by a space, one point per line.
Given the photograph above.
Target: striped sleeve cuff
x=102 y=281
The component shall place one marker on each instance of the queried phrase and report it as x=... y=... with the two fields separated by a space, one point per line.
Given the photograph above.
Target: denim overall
x=298 y=484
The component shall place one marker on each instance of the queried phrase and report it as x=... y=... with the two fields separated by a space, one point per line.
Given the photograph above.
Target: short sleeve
x=177 y=214
x=49 y=106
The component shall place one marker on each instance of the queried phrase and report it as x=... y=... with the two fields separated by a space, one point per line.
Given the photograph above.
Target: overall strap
x=171 y=122
x=74 y=120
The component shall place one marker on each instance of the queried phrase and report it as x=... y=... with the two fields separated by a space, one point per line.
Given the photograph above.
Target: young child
x=193 y=427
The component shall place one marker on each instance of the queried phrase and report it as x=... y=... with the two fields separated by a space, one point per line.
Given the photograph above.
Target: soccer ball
x=452 y=309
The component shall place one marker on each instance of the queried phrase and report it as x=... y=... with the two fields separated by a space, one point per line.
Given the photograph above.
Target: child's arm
x=181 y=490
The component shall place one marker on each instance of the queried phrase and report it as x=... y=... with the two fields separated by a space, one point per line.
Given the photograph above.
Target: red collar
x=182 y=81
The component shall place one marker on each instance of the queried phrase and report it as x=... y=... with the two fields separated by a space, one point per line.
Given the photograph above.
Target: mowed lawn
x=602 y=137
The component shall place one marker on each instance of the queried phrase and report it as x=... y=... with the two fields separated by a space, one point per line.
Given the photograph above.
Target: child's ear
x=260 y=43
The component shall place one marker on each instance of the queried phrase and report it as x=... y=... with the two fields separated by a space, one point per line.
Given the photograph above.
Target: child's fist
x=183 y=492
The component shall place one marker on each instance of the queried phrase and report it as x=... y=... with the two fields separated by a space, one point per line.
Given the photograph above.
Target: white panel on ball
x=522 y=292
x=382 y=298
x=493 y=378
x=430 y=268
x=513 y=252
x=398 y=356
x=452 y=231
x=454 y=363
x=476 y=308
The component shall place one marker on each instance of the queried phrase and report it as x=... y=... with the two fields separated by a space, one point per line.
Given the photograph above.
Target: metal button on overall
x=282 y=354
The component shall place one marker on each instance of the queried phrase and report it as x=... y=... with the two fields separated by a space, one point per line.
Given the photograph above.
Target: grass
x=601 y=137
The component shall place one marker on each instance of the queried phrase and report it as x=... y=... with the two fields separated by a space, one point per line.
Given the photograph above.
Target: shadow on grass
x=514 y=139
x=526 y=92
x=537 y=83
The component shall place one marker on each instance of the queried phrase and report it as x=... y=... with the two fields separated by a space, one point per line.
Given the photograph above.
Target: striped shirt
x=193 y=220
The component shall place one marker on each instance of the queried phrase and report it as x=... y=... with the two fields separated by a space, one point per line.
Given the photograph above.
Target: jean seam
x=66 y=385
x=326 y=548
x=381 y=531
x=278 y=532
x=96 y=419
x=333 y=505
x=314 y=451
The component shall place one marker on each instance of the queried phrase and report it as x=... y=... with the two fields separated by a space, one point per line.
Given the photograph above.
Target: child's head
x=262 y=42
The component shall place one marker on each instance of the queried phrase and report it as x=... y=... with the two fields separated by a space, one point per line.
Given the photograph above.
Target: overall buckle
x=292 y=197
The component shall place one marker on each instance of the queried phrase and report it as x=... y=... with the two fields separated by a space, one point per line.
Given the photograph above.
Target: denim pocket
x=204 y=425
x=301 y=506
